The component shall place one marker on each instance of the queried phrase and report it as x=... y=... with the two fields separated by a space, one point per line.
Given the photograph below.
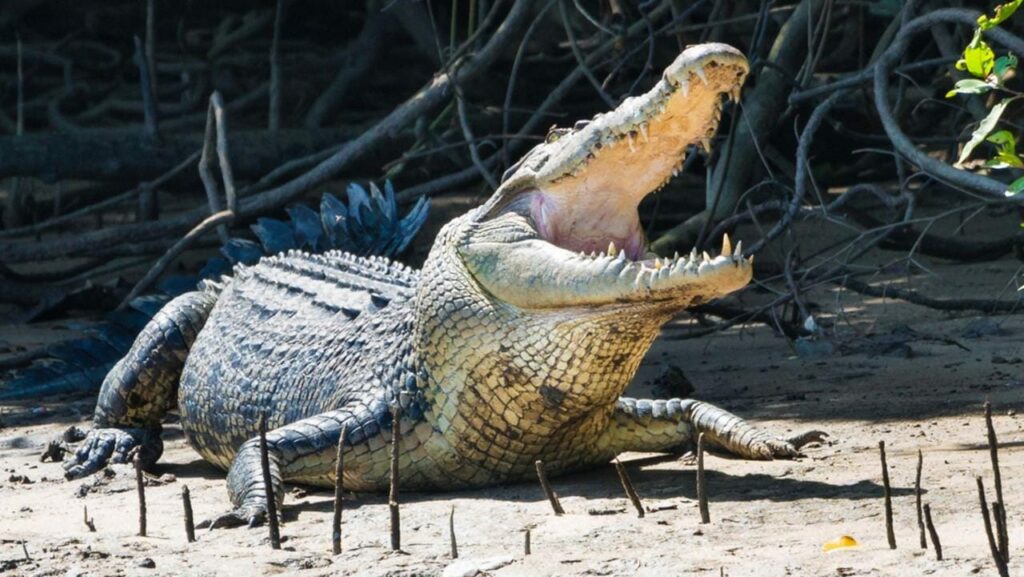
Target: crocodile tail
x=370 y=224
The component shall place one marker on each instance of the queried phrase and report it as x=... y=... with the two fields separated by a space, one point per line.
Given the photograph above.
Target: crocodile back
x=296 y=335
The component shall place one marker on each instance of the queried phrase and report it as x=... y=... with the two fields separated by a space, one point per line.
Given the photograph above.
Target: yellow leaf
x=840 y=543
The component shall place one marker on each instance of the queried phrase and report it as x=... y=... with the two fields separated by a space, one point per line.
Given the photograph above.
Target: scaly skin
x=511 y=345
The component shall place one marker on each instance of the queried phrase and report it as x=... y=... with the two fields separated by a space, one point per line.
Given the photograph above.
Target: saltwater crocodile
x=512 y=344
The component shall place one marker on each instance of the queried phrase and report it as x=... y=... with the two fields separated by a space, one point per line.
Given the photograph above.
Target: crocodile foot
x=788 y=448
x=251 y=515
x=104 y=446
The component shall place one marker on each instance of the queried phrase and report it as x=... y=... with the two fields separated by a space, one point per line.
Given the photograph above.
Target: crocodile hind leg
x=305 y=451
x=139 y=390
x=673 y=425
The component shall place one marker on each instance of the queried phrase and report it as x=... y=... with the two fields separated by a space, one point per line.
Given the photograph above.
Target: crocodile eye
x=554 y=133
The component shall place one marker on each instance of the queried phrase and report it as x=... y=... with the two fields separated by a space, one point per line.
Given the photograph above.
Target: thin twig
x=936 y=544
x=542 y=476
x=220 y=218
x=890 y=534
x=997 y=479
x=151 y=51
x=339 y=470
x=997 y=556
x=627 y=485
x=141 y=489
x=205 y=172
x=190 y=525
x=148 y=96
x=223 y=155
x=474 y=152
x=451 y=534
x=580 y=60
x=274 y=113
x=20 y=110
x=268 y=485
x=396 y=441
x=917 y=499
x=90 y=523
x=702 y=486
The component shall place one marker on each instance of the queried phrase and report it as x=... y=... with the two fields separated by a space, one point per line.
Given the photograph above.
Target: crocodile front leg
x=672 y=425
x=141 y=387
x=304 y=451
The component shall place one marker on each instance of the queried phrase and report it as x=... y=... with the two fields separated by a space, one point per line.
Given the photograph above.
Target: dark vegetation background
x=104 y=111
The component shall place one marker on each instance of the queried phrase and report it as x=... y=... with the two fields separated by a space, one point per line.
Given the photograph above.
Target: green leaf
x=978 y=57
x=1007 y=145
x=969 y=86
x=1004 y=65
x=1014 y=188
x=1003 y=137
x=984 y=128
x=1004 y=161
x=1002 y=12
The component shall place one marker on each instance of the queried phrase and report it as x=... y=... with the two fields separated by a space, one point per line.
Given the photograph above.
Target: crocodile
x=514 y=342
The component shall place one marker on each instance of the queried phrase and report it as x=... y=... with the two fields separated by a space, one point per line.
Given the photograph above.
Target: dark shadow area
x=195 y=469
x=603 y=483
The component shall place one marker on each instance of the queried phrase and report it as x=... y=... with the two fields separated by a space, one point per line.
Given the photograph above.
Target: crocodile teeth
x=738 y=253
x=611 y=249
x=734 y=94
x=706 y=258
x=684 y=87
x=726 y=245
x=629 y=139
x=705 y=144
x=643 y=132
x=700 y=74
x=693 y=254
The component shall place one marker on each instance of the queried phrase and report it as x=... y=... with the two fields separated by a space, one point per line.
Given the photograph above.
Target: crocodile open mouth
x=563 y=228
x=588 y=189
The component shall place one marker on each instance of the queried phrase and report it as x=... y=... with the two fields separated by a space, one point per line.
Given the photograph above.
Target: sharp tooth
x=622 y=256
x=706 y=256
x=693 y=254
x=675 y=257
x=629 y=139
x=643 y=131
x=734 y=94
x=684 y=86
x=593 y=254
x=657 y=264
x=611 y=249
x=699 y=71
x=705 y=143
x=726 y=245
x=738 y=253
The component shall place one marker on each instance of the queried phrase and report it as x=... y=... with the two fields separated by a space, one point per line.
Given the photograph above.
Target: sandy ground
x=912 y=377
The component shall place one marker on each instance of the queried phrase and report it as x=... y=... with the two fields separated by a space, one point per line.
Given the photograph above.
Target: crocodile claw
x=104 y=446
x=248 y=515
x=788 y=448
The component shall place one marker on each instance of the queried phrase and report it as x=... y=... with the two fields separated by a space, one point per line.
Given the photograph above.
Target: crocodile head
x=563 y=229
x=535 y=309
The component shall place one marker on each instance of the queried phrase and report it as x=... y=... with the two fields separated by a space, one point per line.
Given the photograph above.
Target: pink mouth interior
x=589 y=224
